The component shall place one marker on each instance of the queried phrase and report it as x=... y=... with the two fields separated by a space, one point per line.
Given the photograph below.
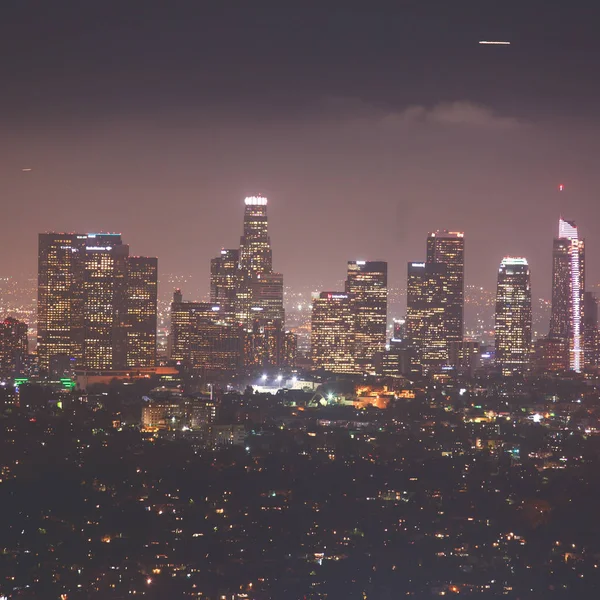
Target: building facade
x=332 y=333
x=426 y=301
x=142 y=286
x=513 y=316
x=448 y=248
x=367 y=285
x=223 y=282
x=591 y=339
x=84 y=307
x=184 y=319
x=568 y=287
x=259 y=293
x=13 y=346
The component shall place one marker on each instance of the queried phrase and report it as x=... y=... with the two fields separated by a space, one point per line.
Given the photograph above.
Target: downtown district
x=239 y=467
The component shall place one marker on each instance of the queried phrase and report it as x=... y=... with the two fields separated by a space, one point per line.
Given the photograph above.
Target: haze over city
x=365 y=129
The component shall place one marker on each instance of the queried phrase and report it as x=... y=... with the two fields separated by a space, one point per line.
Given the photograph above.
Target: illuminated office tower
x=60 y=297
x=215 y=348
x=83 y=307
x=513 y=316
x=568 y=285
x=290 y=349
x=426 y=303
x=105 y=302
x=264 y=344
x=184 y=316
x=13 y=345
x=142 y=283
x=367 y=285
x=332 y=333
x=549 y=355
x=255 y=245
x=590 y=330
x=448 y=248
x=223 y=282
x=259 y=293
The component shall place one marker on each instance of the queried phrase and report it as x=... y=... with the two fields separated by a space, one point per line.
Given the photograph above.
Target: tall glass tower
x=568 y=287
x=259 y=293
x=367 y=285
x=513 y=316
x=448 y=248
x=255 y=245
x=96 y=304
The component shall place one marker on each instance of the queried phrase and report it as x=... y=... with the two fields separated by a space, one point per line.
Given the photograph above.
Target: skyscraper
x=223 y=282
x=426 y=302
x=256 y=255
x=105 y=302
x=184 y=316
x=332 y=333
x=13 y=345
x=448 y=248
x=367 y=286
x=215 y=347
x=84 y=308
x=60 y=297
x=568 y=286
x=590 y=329
x=142 y=284
x=259 y=293
x=513 y=316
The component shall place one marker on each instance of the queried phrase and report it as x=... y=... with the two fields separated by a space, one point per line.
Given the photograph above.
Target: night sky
x=366 y=127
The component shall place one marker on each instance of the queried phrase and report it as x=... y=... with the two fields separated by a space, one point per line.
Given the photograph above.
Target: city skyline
x=132 y=147
x=299 y=300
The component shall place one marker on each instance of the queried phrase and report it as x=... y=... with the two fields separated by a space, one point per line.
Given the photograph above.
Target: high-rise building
x=568 y=286
x=367 y=286
x=264 y=344
x=465 y=356
x=290 y=349
x=142 y=284
x=591 y=338
x=426 y=313
x=83 y=302
x=259 y=292
x=448 y=248
x=332 y=333
x=223 y=282
x=513 y=316
x=13 y=345
x=255 y=244
x=215 y=347
x=550 y=355
x=60 y=297
x=184 y=316
x=105 y=302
